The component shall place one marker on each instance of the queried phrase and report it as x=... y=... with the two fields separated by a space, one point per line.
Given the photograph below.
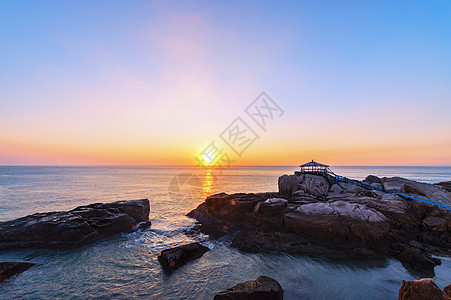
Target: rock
x=82 y=225
x=435 y=224
x=418 y=259
x=403 y=185
x=447 y=290
x=299 y=193
x=336 y=189
x=343 y=209
x=9 y=269
x=263 y=288
x=415 y=244
x=351 y=188
x=446 y=185
x=288 y=184
x=377 y=185
x=174 y=258
x=277 y=201
x=373 y=222
x=144 y=225
x=421 y=289
x=372 y=178
x=314 y=185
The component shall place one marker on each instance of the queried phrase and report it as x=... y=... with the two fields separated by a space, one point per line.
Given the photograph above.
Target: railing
x=338 y=178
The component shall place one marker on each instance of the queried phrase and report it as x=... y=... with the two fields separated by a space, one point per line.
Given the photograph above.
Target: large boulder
x=174 y=258
x=263 y=288
x=9 y=269
x=82 y=225
x=339 y=221
x=314 y=185
x=288 y=184
x=420 y=290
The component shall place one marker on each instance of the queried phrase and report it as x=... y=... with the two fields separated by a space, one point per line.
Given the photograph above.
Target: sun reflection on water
x=208 y=184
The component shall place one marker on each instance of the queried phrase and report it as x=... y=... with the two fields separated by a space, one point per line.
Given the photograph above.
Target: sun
x=208 y=158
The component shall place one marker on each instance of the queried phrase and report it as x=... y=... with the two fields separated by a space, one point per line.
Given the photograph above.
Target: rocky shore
x=80 y=226
x=312 y=215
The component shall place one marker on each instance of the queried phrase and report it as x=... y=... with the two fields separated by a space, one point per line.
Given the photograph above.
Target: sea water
x=125 y=266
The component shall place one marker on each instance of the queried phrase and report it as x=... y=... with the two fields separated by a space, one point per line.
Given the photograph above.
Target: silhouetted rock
x=263 y=288
x=82 y=225
x=9 y=269
x=420 y=290
x=173 y=258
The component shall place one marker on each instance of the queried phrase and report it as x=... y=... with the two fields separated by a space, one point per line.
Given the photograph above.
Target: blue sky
x=153 y=82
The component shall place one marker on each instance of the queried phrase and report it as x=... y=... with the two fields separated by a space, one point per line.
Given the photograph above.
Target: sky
x=157 y=82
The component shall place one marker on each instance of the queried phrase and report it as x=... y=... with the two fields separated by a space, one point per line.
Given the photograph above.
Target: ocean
x=125 y=266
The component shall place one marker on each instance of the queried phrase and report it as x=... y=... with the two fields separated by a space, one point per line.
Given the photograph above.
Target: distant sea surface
x=125 y=266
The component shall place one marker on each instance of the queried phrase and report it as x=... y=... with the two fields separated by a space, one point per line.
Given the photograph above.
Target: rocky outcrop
x=82 y=225
x=421 y=289
x=446 y=185
x=174 y=258
x=356 y=222
x=9 y=269
x=263 y=288
x=407 y=186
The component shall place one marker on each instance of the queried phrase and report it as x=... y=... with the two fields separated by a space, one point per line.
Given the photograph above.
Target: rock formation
x=174 y=258
x=311 y=215
x=421 y=289
x=82 y=225
x=9 y=269
x=263 y=288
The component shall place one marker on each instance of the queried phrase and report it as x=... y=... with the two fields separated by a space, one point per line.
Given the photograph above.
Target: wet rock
x=82 y=225
x=174 y=258
x=9 y=269
x=263 y=288
x=421 y=289
x=419 y=259
x=144 y=225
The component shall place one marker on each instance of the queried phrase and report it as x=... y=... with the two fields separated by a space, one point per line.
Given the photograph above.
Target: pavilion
x=313 y=167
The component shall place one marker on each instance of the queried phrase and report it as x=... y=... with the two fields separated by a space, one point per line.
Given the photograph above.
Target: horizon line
x=194 y=166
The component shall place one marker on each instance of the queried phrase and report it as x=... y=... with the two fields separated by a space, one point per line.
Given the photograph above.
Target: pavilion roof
x=313 y=164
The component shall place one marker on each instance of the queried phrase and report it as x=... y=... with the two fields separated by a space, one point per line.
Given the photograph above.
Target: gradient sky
x=154 y=82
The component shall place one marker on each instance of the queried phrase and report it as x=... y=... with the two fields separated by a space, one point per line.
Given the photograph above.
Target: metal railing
x=338 y=178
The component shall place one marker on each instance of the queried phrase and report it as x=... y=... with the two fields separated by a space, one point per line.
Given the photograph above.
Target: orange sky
x=155 y=84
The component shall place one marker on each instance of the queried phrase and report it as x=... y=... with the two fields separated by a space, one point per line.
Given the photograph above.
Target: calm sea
x=125 y=266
